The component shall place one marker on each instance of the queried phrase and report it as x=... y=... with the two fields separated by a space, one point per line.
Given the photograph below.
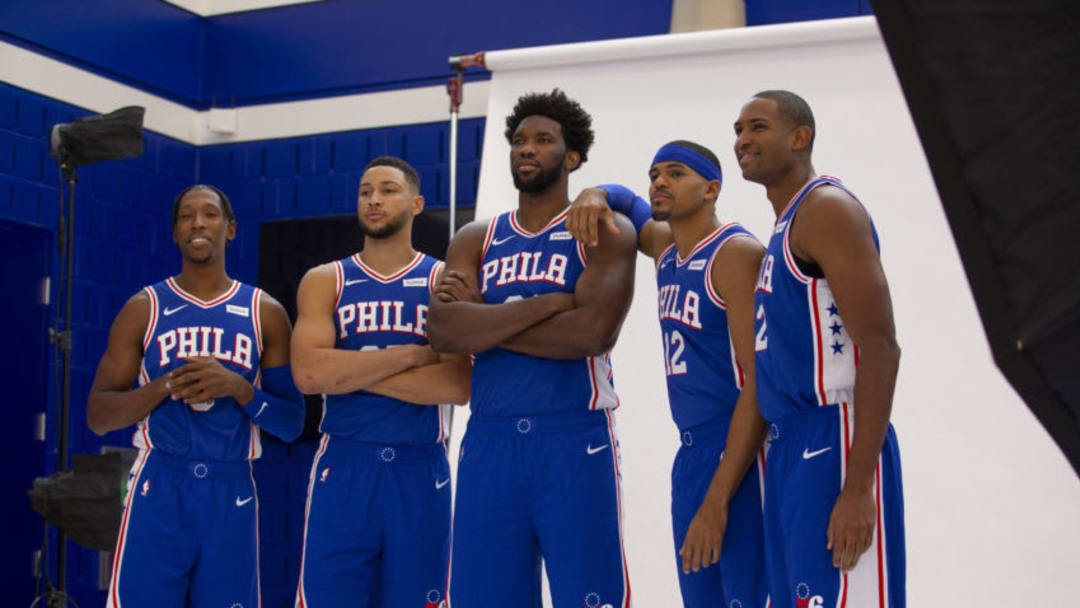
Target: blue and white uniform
x=189 y=533
x=377 y=524
x=704 y=381
x=805 y=364
x=539 y=469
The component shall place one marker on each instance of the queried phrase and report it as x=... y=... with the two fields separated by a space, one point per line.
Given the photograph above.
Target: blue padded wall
x=122 y=242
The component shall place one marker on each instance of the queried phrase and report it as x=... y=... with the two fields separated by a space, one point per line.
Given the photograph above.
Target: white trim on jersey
x=615 y=457
x=488 y=236
x=867 y=584
x=301 y=597
x=371 y=272
x=121 y=541
x=834 y=363
x=203 y=303
x=525 y=233
x=339 y=282
x=603 y=394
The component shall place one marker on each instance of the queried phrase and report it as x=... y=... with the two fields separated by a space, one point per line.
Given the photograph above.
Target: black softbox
x=994 y=90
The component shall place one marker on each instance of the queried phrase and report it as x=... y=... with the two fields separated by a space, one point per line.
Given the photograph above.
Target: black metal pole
x=65 y=347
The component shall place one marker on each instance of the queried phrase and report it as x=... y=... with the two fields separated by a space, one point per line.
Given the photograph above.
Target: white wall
x=991 y=505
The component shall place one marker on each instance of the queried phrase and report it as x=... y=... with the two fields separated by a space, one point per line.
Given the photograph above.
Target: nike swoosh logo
x=241 y=503
x=497 y=242
x=591 y=450
x=355 y=281
x=807 y=454
x=261 y=409
x=169 y=311
x=442 y=484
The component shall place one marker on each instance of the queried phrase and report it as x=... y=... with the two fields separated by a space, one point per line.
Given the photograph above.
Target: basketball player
x=705 y=273
x=826 y=361
x=211 y=356
x=538 y=475
x=377 y=529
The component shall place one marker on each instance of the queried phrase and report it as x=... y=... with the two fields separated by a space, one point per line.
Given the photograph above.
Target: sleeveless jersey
x=516 y=264
x=804 y=357
x=226 y=328
x=703 y=376
x=374 y=311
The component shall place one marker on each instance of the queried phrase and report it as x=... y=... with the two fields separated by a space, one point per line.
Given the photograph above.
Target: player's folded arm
x=602 y=298
x=458 y=327
x=318 y=367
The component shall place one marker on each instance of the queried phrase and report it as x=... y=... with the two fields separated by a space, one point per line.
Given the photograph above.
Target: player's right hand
x=587 y=211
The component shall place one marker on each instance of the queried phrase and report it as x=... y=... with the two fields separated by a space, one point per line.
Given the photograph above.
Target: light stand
x=456 y=88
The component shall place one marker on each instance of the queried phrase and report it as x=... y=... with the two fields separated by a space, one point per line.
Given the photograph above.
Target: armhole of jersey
x=660 y=258
x=789 y=256
x=339 y=282
x=433 y=276
x=151 y=324
x=256 y=318
x=487 y=238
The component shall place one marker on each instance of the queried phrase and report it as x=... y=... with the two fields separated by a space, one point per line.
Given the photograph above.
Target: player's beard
x=388 y=230
x=542 y=180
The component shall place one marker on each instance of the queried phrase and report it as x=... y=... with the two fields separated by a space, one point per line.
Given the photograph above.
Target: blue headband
x=703 y=166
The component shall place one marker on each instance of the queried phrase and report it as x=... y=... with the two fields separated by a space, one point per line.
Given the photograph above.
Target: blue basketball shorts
x=738 y=579
x=377 y=526
x=539 y=488
x=188 y=536
x=804 y=474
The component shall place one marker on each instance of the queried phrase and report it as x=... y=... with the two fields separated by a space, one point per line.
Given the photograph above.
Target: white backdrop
x=991 y=504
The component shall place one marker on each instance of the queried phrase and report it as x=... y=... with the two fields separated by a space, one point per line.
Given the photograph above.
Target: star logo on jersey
x=325 y=474
x=170 y=311
x=433 y=599
x=354 y=282
x=497 y=242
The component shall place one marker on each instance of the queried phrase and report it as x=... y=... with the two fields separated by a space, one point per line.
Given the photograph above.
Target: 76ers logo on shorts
x=803 y=599
x=434 y=599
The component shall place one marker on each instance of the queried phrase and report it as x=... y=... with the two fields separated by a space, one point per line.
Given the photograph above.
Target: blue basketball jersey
x=374 y=311
x=804 y=357
x=703 y=376
x=516 y=264
x=226 y=328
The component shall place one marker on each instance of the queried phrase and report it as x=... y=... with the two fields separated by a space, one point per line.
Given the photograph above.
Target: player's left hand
x=203 y=379
x=704 y=537
x=851 y=526
x=453 y=287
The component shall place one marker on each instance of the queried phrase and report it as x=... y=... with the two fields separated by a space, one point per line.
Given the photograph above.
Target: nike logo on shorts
x=807 y=454
x=241 y=503
x=591 y=450
x=169 y=311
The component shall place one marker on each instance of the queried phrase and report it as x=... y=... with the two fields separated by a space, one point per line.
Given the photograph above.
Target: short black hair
x=575 y=121
x=226 y=206
x=700 y=149
x=794 y=109
x=411 y=175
